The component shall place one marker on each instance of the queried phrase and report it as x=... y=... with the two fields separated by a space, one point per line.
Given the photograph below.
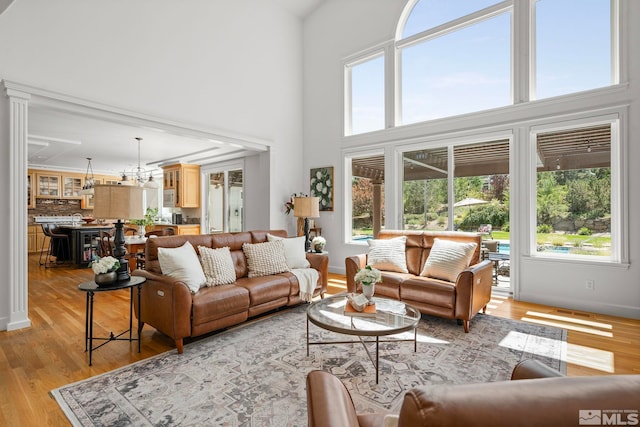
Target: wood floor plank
x=51 y=353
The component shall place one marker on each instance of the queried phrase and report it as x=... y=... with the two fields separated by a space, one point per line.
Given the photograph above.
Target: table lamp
x=113 y=201
x=306 y=207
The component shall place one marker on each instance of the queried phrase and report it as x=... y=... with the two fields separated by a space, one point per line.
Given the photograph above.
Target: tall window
x=367 y=196
x=573 y=192
x=457 y=57
x=479 y=183
x=573 y=46
x=365 y=80
x=439 y=80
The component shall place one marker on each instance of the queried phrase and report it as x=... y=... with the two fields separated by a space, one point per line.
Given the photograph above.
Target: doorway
x=225 y=206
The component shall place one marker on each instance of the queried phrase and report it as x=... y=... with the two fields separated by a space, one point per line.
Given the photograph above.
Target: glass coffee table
x=391 y=317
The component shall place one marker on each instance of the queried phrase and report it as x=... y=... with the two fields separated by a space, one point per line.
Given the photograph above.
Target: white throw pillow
x=447 y=259
x=182 y=264
x=217 y=265
x=388 y=254
x=293 y=251
x=264 y=259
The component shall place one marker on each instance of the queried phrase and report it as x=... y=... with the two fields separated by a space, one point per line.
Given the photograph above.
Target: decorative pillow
x=293 y=251
x=264 y=259
x=182 y=264
x=388 y=254
x=217 y=265
x=447 y=259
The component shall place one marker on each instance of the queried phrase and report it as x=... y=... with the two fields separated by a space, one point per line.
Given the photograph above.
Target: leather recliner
x=541 y=397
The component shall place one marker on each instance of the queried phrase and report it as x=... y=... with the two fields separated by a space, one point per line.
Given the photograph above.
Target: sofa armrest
x=166 y=304
x=321 y=263
x=532 y=368
x=473 y=289
x=329 y=403
x=352 y=265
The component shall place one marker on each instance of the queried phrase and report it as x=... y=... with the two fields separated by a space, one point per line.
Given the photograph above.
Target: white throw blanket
x=307 y=281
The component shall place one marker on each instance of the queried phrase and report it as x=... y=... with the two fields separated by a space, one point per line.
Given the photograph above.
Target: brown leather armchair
x=542 y=397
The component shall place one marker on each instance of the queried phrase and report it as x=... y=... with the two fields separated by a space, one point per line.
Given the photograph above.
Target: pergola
x=564 y=150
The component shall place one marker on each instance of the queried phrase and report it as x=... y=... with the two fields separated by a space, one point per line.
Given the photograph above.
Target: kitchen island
x=84 y=241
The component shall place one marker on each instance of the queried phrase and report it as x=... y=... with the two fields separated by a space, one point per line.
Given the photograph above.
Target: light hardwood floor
x=51 y=353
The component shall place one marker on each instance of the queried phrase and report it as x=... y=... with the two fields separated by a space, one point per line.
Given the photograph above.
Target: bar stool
x=59 y=246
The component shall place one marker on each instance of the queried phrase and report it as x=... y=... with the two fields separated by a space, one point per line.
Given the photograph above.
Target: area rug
x=254 y=374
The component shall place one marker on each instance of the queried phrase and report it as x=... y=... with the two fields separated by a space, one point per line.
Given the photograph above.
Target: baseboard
x=591 y=306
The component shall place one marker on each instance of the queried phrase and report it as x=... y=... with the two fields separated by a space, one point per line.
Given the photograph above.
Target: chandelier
x=89 y=181
x=139 y=176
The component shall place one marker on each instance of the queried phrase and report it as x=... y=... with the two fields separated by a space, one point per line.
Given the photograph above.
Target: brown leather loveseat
x=460 y=300
x=169 y=306
x=542 y=397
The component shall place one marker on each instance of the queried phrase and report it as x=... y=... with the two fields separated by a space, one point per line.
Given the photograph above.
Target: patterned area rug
x=254 y=374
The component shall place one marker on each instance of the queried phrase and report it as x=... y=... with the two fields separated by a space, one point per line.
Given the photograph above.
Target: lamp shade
x=306 y=207
x=113 y=201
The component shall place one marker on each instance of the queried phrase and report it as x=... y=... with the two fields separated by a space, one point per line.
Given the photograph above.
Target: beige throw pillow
x=293 y=251
x=217 y=265
x=264 y=259
x=447 y=259
x=388 y=254
x=182 y=264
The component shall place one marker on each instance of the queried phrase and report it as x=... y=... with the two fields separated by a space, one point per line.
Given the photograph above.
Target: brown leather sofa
x=170 y=307
x=542 y=397
x=460 y=300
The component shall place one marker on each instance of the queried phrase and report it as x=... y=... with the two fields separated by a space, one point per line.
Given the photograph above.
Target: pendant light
x=89 y=181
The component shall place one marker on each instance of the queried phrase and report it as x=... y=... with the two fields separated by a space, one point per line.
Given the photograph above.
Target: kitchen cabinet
x=36 y=239
x=184 y=181
x=71 y=186
x=188 y=229
x=48 y=185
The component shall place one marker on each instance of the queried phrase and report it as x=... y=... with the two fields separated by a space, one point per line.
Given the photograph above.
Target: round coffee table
x=391 y=317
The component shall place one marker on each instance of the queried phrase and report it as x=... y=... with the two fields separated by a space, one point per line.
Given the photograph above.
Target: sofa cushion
x=447 y=259
x=294 y=250
x=264 y=259
x=388 y=254
x=182 y=264
x=217 y=265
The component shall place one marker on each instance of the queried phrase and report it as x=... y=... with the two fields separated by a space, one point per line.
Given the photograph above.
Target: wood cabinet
x=188 y=229
x=185 y=181
x=48 y=185
x=71 y=186
x=36 y=239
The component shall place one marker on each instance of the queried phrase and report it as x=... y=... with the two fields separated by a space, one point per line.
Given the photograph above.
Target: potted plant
x=368 y=277
x=149 y=219
x=105 y=270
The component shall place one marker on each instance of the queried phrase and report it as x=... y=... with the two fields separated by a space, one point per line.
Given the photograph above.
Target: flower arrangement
x=318 y=243
x=288 y=205
x=368 y=276
x=105 y=265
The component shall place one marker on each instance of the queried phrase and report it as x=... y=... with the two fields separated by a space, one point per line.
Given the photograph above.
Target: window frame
x=619 y=187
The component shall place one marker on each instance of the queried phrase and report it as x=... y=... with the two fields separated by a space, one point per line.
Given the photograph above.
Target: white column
x=18 y=261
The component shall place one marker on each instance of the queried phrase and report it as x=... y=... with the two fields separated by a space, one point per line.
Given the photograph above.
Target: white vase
x=142 y=230
x=369 y=290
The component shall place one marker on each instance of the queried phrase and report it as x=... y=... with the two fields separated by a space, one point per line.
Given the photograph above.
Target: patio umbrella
x=469 y=201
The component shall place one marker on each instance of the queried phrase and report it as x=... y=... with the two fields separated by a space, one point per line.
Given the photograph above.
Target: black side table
x=91 y=288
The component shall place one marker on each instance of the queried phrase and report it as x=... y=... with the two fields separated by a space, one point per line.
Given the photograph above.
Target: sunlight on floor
x=522 y=342
x=590 y=357
x=566 y=323
x=570 y=320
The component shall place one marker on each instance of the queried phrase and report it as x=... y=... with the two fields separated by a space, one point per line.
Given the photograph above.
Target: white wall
x=228 y=65
x=339 y=29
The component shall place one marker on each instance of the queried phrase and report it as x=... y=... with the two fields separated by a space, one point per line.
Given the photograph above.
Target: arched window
x=455 y=58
